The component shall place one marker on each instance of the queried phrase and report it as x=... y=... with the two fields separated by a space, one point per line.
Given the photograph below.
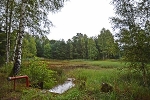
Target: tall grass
x=107 y=64
x=93 y=80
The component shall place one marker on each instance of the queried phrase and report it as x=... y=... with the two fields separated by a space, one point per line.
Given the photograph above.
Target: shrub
x=38 y=72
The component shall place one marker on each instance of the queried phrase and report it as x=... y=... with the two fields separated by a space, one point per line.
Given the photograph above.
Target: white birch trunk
x=18 y=51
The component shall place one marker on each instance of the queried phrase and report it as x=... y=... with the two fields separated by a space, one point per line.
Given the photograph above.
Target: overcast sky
x=81 y=16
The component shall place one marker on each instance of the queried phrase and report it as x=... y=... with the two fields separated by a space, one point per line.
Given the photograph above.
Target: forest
x=107 y=66
x=80 y=46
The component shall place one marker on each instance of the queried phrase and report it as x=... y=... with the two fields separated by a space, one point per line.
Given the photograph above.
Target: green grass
x=126 y=85
x=93 y=79
x=93 y=74
x=107 y=63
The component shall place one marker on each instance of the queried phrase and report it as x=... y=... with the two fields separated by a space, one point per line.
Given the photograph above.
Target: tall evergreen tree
x=106 y=43
x=92 y=50
x=79 y=46
x=69 y=49
x=85 y=46
x=98 y=47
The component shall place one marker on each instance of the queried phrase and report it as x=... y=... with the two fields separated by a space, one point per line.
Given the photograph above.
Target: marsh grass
x=126 y=86
x=93 y=80
x=107 y=63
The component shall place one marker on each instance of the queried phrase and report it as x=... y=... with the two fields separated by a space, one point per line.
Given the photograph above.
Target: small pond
x=64 y=87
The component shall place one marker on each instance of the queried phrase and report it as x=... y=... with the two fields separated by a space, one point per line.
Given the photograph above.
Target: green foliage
x=6 y=68
x=32 y=46
x=59 y=50
x=137 y=50
x=92 y=50
x=25 y=51
x=29 y=47
x=70 y=49
x=47 y=51
x=107 y=44
x=38 y=72
x=130 y=85
x=35 y=15
x=2 y=47
x=40 y=43
x=80 y=46
x=134 y=36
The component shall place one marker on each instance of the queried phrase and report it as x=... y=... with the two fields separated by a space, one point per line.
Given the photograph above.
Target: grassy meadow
x=89 y=76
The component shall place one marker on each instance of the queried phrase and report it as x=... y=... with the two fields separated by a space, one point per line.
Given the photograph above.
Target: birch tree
x=33 y=15
x=133 y=20
x=18 y=51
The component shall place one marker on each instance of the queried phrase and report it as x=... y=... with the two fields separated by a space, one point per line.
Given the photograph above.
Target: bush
x=38 y=72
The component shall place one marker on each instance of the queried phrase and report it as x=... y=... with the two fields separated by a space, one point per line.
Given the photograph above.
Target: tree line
x=80 y=46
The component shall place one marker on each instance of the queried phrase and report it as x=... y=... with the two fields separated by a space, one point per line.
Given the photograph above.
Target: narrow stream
x=64 y=87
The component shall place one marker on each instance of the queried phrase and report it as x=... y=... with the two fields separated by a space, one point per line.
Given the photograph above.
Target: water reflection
x=64 y=87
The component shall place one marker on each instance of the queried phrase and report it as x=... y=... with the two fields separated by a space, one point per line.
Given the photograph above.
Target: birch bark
x=18 y=51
